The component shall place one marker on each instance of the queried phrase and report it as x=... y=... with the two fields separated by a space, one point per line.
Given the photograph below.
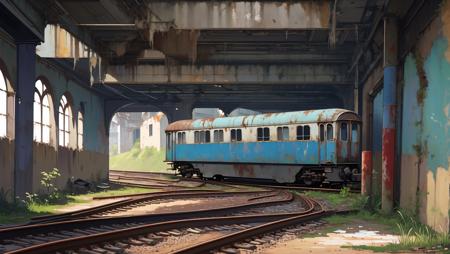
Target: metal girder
x=202 y=14
x=220 y=74
x=21 y=20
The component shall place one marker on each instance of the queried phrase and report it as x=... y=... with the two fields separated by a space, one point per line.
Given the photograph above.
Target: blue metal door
x=327 y=144
x=355 y=142
x=322 y=144
x=170 y=150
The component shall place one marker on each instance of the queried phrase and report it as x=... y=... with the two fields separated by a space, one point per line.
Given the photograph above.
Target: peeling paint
x=445 y=18
x=438 y=98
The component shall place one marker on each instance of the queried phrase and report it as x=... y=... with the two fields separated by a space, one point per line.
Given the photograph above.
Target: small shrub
x=344 y=192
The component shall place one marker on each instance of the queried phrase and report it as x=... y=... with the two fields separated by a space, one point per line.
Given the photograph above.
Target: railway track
x=130 y=201
x=73 y=225
x=142 y=176
x=99 y=230
x=114 y=235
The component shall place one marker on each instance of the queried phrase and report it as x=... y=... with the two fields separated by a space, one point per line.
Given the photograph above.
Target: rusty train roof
x=296 y=117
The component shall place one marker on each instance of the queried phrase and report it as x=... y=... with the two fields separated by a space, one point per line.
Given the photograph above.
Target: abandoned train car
x=309 y=147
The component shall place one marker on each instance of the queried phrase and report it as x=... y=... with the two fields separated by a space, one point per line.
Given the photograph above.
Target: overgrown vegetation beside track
x=52 y=200
x=137 y=159
x=413 y=235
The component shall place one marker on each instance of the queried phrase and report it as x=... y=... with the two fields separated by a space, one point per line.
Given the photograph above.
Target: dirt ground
x=174 y=243
x=352 y=234
x=91 y=203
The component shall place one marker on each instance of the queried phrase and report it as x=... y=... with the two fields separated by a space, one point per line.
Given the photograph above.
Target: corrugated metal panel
x=297 y=117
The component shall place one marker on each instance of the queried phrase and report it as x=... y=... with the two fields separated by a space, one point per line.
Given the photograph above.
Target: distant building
x=199 y=113
x=153 y=130
x=124 y=131
x=243 y=112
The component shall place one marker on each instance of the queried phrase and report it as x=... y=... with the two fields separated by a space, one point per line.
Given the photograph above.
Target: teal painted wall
x=411 y=115
x=432 y=133
x=95 y=138
x=436 y=129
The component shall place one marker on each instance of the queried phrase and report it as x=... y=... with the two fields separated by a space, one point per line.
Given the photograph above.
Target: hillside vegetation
x=137 y=159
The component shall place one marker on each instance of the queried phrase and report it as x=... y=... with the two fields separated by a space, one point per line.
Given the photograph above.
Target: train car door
x=343 y=147
x=326 y=143
x=354 y=148
x=170 y=139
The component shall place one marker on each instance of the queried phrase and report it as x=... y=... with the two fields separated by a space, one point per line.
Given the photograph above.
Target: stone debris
x=194 y=231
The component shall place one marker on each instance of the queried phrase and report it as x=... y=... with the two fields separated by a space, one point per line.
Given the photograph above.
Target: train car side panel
x=251 y=152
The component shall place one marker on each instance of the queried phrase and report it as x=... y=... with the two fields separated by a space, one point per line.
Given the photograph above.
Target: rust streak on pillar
x=389 y=109
x=366 y=168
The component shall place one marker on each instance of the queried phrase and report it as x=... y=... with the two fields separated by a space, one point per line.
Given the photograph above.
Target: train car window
x=179 y=137
x=322 y=132
x=169 y=144
x=283 y=133
x=266 y=134
x=201 y=137
x=218 y=136
x=236 y=135
x=196 y=137
x=344 y=132
x=239 y=135
x=263 y=134
x=306 y=133
x=260 y=134
x=354 y=132
x=207 y=136
x=329 y=132
x=300 y=132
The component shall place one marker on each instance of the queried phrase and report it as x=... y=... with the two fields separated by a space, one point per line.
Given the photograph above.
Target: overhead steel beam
x=220 y=74
x=202 y=14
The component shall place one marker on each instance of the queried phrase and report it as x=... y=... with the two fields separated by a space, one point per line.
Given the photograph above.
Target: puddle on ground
x=331 y=243
x=358 y=237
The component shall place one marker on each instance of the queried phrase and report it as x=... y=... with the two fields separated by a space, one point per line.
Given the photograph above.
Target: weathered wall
x=74 y=164
x=6 y=166
x=158 y=139
x=425 y=146
x=90 y=163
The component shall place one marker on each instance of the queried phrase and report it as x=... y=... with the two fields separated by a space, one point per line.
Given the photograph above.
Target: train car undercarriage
x=306 y=175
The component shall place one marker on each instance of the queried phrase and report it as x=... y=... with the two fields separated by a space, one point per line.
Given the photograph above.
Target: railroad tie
x=245 y=246
x=148 y=241
x=230 y=250
x=113 y=248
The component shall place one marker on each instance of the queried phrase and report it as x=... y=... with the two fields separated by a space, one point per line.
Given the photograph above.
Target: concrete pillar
x=125 y=136
x=389 y=112
x=366 y=168
x=23 y=155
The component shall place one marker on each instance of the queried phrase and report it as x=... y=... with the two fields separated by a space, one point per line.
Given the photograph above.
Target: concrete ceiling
x=234 y=33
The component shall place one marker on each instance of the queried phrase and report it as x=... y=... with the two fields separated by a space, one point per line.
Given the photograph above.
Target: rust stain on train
x=244 y=170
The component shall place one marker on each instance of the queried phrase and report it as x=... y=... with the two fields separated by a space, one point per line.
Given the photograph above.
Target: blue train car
x=310 y=147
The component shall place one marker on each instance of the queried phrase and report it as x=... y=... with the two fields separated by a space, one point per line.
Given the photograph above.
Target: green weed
x=413 y=236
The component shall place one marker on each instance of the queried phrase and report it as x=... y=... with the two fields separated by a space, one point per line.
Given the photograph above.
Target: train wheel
x=304 y=177
x=217 y=178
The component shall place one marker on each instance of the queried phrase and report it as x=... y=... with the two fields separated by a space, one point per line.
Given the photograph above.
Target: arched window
x=65 y=117
x=80 y=130
x=3 y=105
x=41 y=113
